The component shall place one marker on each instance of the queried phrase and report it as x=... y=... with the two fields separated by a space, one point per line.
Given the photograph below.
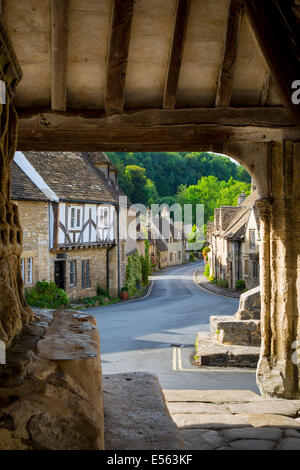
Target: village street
x=157 y=334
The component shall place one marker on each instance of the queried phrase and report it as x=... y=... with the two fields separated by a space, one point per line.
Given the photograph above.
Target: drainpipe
x=118 y=244
x=107 y=267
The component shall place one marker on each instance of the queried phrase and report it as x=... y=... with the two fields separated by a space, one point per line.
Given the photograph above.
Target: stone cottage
x=234 y=239
x=69 y=210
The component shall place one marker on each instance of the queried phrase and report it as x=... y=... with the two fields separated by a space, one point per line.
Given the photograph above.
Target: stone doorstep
x=211 y=353
x=136 y=415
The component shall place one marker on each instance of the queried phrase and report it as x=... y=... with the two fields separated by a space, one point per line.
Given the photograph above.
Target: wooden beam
x=227 y=70
x=277 y=34
x=59 y=53
x=182 y=14
x=273 y=117
x=153 y=130
x=265 y=88
x=118 y=55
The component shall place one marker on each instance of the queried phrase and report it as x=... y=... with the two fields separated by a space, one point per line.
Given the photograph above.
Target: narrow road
x=157 y=334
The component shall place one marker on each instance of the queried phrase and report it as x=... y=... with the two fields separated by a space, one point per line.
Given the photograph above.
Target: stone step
x=136 y=415
x=230 y=331
x=210 y=353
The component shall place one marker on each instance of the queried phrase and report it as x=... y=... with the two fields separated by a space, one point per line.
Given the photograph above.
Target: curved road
x=157 y=334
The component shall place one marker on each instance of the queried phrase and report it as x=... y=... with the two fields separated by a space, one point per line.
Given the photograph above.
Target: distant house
x=234 y=239
x=69 y=211
x=167 y=240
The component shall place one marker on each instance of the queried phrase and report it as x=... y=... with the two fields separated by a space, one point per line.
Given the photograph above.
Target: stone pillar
x=14 y=312
x=278 y=372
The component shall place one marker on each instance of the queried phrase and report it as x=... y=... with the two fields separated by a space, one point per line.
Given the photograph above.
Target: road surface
x=157 y=334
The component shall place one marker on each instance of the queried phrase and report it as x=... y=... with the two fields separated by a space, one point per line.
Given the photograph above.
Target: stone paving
x=234 y=420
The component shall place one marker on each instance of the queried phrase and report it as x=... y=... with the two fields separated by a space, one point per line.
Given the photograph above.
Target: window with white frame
x=75 y=217
x=85 y=274
x=23 y=268
x=29 y=271
x=103 y=217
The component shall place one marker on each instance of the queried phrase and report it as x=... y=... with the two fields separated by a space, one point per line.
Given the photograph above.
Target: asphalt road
x=157 y=334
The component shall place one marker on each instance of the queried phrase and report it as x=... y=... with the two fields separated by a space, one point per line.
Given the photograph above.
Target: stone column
x=14 y=312
x=278 y=372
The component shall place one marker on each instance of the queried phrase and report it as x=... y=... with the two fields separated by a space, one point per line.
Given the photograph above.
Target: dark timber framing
x=278 y=37
x=59 y=53
x=226 y=75
x=182 y=14
x=153 y=129
x=117 y=55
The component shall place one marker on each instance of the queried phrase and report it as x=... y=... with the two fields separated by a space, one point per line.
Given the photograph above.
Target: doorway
x=59 y=273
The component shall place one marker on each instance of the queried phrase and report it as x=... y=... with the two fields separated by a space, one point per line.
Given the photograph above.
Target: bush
x=124 y=289
x=192 y=257
x=47 y=295
x=211 y=279
x=103 y=292
x=240 y=284
x=207 y=271
x=221 y=282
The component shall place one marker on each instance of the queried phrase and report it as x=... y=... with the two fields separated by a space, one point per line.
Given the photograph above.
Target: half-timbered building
x=69 y=207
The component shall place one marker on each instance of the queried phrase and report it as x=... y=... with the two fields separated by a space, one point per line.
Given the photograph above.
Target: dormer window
x=75 y=217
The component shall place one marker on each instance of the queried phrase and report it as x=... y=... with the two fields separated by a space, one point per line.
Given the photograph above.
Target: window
x=179 y=255
x=252 y=239
x=255 y=270
x=246 y=267
x=85 y=274
x=171 y=256
x=23 y=268
x=75 y=217
x=29 y=271
x=72 y=273
x=103 y=217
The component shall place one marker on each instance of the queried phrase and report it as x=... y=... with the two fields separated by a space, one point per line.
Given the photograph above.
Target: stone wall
x=51 y=385
x=34 y=219
x=98 y=270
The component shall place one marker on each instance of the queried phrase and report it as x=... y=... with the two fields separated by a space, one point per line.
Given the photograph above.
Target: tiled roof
x=22 y=188
x=236 y=229
x=72 y=177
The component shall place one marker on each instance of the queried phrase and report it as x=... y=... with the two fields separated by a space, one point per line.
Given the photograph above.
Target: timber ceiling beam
x=59 y=53
x=277 y=34
x=153 y=130
x=227 y=70
x=182 y=14
x=118 y=55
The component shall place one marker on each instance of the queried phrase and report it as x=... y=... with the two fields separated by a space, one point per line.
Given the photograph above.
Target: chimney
x=241 y=198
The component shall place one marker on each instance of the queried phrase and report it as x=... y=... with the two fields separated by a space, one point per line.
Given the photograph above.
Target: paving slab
x=136 y=415
x=212 y=396
x=196 y=439
x=290 y=443
x=279 y=407
x=261 y=420
x=273 y=434
x=211 y=421
x=252 y=444
x=195 y=407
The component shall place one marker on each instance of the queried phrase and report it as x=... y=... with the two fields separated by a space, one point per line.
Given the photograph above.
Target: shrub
x=221 y=282
x=192 y=257
x=101 y=291
x=124 y=289
x=46 y=295
x=207 y=270
x=211 y=278
x=240 y=284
